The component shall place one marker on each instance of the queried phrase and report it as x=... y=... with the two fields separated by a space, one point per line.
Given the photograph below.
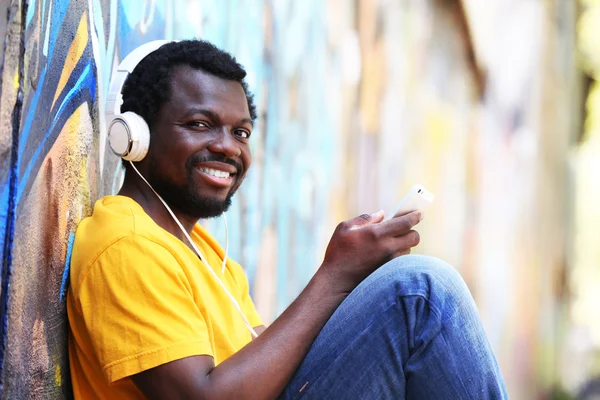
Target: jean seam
x=308 y=385
x=462 y=384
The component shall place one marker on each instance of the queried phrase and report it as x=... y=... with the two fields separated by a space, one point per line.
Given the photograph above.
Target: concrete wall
x=357 y=101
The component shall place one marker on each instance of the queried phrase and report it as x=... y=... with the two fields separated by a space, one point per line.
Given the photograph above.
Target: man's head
x=200 y=114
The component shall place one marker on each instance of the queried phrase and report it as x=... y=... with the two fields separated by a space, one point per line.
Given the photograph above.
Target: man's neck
x=139 y=191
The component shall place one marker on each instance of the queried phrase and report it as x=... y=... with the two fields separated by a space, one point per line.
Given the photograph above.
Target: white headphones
x=129 y=138
x=128 y=133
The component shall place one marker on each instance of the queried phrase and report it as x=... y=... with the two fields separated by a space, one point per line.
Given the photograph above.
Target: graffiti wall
x=357 y=101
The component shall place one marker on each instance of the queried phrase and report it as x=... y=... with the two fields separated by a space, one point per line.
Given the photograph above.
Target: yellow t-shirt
x=139 y=298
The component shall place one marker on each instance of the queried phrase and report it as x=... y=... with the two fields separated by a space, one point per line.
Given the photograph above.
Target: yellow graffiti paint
x=74 y=54
x=70 y=134
x=57 y=376
x=66 y=154
x=16 y=81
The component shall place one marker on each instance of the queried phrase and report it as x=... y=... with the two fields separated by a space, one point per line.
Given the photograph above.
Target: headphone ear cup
x=129 y=136
x=140 y=136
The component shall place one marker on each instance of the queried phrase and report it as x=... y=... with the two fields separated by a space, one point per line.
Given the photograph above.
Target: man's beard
x=187 y=199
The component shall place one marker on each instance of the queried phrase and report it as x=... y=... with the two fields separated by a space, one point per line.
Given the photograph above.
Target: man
x=148 y=320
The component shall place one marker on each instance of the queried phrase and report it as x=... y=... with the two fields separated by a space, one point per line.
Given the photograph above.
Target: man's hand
x=362 y=244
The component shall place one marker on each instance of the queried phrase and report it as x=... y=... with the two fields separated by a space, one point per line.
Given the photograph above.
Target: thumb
x=366 y=219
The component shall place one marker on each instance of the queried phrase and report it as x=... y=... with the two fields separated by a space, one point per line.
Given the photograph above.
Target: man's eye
x=244 y=134
x=198 y=124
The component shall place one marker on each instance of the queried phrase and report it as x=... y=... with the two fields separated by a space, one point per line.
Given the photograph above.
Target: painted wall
x=357 y=101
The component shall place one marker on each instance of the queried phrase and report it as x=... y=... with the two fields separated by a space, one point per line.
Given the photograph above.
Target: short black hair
x=148 y=86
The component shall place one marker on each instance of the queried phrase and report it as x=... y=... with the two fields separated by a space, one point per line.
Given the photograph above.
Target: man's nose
x=225 y=143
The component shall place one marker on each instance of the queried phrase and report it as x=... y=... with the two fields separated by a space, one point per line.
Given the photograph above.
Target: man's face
x=199 y=146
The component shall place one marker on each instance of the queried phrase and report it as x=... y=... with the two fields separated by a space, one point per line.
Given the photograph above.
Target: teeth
x=215 y=172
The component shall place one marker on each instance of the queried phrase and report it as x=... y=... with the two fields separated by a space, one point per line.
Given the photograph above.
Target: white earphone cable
x=201 y=256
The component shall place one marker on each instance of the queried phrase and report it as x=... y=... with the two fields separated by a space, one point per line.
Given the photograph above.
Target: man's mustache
x=195 y=160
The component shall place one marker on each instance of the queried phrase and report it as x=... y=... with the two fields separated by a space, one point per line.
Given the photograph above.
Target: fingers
x=401 y=253
x=399 y=226
x=398 y=215
x=402 y=245
x=365 y=219
x=411 y=239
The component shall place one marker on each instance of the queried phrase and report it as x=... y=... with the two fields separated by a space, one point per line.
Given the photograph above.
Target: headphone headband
x=114 y=100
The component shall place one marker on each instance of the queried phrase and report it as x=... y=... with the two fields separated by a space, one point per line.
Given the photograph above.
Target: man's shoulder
x=113 y=218
x=116 y=222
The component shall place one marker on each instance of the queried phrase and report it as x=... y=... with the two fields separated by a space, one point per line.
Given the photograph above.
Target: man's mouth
x=215 y=172
x=217 y=177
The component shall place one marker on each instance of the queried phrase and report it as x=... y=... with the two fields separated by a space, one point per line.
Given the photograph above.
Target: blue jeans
x=409 y=331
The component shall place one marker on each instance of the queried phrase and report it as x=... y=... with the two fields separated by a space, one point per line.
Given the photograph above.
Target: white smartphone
x=418 y=198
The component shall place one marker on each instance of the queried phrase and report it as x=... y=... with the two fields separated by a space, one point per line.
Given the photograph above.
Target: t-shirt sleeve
x=139 y=309
x=246 y=303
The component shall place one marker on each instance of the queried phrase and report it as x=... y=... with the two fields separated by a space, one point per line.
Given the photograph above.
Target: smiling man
x=150 y=319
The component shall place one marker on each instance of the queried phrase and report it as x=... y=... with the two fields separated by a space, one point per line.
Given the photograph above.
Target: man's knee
x=425 y=266
x=417 y=275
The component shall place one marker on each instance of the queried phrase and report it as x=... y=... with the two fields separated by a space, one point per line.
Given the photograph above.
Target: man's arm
x=259 y=329
x=262 y=369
